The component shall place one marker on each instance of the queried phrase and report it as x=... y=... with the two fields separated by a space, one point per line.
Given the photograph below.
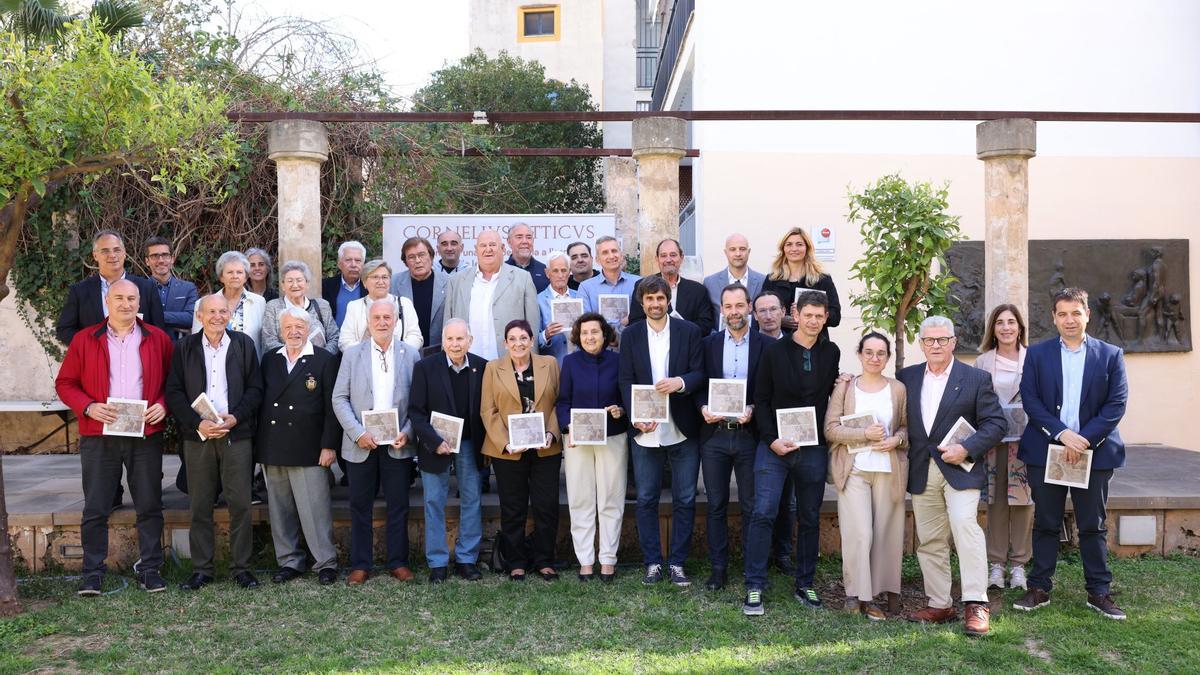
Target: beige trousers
x=872 y=524
x=942 y=512
x=596 y=491
x=1009 y=528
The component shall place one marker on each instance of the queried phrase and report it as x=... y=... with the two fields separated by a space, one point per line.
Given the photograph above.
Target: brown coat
x=841 y=462
x=501 y=399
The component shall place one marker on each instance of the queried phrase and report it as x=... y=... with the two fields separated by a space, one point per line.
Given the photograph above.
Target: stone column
x=621 y=198
x=298 y=148
x=1005 y=147
x=658 y=145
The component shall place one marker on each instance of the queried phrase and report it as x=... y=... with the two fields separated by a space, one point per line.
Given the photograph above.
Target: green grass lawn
x=495 y=625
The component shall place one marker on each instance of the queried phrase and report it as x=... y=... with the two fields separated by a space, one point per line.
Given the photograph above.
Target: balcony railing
x=681 y=13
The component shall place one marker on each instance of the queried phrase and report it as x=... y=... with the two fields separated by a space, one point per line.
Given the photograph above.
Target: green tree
x=513 y=184
x=41 y=21
x=905 y=229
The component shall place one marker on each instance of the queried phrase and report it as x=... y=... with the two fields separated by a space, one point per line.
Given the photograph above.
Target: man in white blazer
x=737 y=254
x=490 y=295
x=425 y=286
x=376 y=375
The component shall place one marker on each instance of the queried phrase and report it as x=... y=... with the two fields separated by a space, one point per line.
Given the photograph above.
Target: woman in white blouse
x=1010 y=503
x=245 y=308
x=377 y=278
x=868 y=464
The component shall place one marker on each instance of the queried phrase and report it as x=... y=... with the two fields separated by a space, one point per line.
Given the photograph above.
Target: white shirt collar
x=945 y=373
x=306 y=351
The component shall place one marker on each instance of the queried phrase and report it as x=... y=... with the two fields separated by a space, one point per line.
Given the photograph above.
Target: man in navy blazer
x=178 y=297
x=737 y=254
x=945 y=480
x=85 y=300
x=664 y=352
x=1073 y=389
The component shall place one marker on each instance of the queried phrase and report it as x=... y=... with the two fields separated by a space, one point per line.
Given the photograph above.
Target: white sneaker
x=1016 y=578
x=996 y=576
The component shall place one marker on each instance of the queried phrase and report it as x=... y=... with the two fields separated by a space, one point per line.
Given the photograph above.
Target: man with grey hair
x=552 y=335
x=612 y=280
x=945 y=480
x=345 y=287
x=85 y=304
x=222 y=366
x=490 y=296
x=450 y=384
x=297 y=439
x=520 y=244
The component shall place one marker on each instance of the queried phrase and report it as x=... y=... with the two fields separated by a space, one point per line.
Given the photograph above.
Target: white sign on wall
x=824 y=243
x=551 y=232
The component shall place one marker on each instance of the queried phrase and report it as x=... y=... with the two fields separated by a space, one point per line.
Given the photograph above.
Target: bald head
x=737 y=253
x=489 y=251
x=122 y=301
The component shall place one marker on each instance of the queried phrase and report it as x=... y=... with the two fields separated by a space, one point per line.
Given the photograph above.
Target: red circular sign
x=825 y=232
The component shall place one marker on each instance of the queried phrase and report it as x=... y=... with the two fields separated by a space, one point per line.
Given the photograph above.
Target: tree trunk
x=900 y=341
x=9 y=605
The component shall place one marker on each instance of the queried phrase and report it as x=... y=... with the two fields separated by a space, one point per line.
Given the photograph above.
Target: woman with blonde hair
x=377 y=279
x=796 y=268
x=1010 y=503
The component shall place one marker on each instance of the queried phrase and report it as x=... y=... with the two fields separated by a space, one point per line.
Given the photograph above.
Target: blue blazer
x=557 y=346
x=714 y=369
x=1101 y=407
x=685 y=360
x=180 y=306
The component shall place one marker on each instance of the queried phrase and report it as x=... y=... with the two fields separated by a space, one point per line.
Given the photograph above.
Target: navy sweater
x=590 y=381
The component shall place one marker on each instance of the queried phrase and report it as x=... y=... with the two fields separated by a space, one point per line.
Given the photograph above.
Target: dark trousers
x=728 y=453
x=228 y=466
x=1050 y=502
x=101 y=458
x=806 y=466
x=525 y=484
x=365 y=476
x=649 y=464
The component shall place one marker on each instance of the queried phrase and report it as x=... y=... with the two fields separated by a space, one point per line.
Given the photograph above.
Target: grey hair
x=295 y=266
x=233 y=256
x=457 y=322
x=107 y=233
x=258 y=251
x=210 y=296
x=607 y=238
x=373 y=265
x=296 y=313
x=937 y=321
x=346 y=246
x=558 y=254
x=394 y=306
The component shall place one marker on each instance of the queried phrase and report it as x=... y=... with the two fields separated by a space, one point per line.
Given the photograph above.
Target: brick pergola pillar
x=1005 y=146
x=658 y=145
x=298 y=147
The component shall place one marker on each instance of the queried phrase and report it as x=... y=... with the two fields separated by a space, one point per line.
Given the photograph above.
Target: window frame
x=539 y=9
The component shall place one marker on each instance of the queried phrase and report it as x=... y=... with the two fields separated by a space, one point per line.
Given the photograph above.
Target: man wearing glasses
x=945 y=491
x=178 y=296
x=425 y=286
x=768 y=315
x=795 y=372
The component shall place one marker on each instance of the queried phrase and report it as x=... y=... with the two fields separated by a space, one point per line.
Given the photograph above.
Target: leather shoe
x=716 y=580
x=872 y=612
x=976 y=618
x=437 y=575
x=933 y=615
x=358 y=578
x=401 y=573
x=285 y=574
x=327 y=576
x=468 y=571
x=548 y=574
x=246 y=579
x=196 y=582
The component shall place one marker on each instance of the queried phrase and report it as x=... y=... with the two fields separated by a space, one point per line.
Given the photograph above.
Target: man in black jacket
x=450 y=384
x=296 y=443
x=689 y=299
x=222 y=365
x=346 y=286
x=85 y=300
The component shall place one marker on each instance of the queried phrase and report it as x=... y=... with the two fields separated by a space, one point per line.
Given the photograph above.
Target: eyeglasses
x=939 y=341
x=383 y=362
x=158 y=256
x=808 y=362
x=419 y=255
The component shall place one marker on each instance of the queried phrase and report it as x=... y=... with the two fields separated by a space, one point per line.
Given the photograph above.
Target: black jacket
x=714 y=369
x=329 y=290
x=691 y=301
x=296 y=420
x=188 y=379
x=85 y=306
x=684 y=361
x=431 y=392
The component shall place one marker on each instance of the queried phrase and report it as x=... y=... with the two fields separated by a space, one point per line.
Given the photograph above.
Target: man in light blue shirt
x=1072 y=377
x=612 y=280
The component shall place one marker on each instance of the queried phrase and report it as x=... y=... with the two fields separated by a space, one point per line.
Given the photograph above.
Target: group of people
x=296 y=384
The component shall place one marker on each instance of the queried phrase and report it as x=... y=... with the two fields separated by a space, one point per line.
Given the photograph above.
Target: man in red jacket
x=119 y=358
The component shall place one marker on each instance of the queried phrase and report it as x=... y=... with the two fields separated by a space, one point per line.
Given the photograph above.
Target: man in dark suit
x=945 y=491
x=297 y=437
x=178 y=296
x=450 y=383
x=664 y=352
x=346 y=286
x=223 y=365
x=85 y=300
x=727 y=443
x=689 y=300
x=1074 y=392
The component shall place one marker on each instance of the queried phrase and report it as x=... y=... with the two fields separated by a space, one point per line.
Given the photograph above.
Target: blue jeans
x=726 y=453
x=807 y=467
x=648 y=466
x=470 y=521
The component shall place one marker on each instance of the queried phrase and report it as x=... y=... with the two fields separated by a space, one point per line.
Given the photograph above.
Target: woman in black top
x=796 y=267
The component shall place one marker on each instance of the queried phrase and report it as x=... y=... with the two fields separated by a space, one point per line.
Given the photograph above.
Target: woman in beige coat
x=868 y=464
